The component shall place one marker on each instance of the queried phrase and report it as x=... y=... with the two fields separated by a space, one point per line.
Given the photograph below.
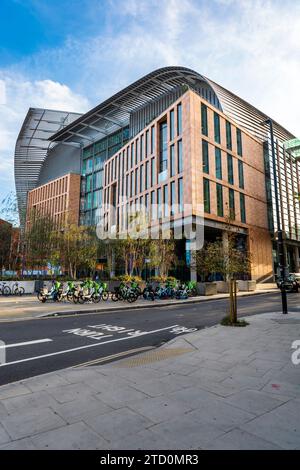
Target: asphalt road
x=38 y=346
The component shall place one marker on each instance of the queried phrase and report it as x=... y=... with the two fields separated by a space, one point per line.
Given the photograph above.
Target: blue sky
x=72 y=54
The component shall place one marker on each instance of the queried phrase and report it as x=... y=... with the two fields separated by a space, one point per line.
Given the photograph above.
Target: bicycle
x=4 y=289
x=16 y=290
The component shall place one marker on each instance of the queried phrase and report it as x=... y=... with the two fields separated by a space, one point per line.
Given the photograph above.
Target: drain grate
x=153 y=356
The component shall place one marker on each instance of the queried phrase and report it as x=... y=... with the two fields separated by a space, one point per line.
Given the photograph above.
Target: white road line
x=85 y=347
x=46 y=340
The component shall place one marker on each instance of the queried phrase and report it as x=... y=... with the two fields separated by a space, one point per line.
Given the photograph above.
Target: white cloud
x=20 y=94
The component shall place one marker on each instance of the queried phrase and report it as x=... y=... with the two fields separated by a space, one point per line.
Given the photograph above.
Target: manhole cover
x=153 y=356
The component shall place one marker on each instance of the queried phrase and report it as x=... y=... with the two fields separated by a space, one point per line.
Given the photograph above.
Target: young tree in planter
x=162 y=254
x=39 y=240
x=226 y=259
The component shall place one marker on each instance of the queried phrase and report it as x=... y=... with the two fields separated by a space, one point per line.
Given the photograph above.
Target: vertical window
x=166 y=201
x=142 y=153
x=159 y=207
x=136 y=151
x=241 y=174
x=136 y=180
x=172 y=161
x=172 y=130
x=147 y=175
x=132 y=184
x=163 y=147
x=204 y=126
x=153 y=181
x=152 y=139
x=230 y=169
x=142 y=178
x=206 y=195
x=153 y=211
x=218 y=159
x=147 y=143
x=132 y=155
x=217 y=128
x=179 y=119
x=242 y=208
x=239 y=142
x=220 y=211
x=147 y=201
x=228 y=136
x=205 y=157
x=172 y=197
x=180 y=156
x=180 y=194
x=231 y=204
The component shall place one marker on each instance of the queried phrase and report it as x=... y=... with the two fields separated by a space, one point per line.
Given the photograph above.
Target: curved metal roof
x=31 y=149
x=115 y=111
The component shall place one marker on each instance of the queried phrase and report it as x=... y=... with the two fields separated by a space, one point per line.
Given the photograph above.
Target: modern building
x=177 y=140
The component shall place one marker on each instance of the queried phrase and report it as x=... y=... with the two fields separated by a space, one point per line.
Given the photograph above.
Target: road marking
x=113 y=356
x=84 y=347
x=15 y=345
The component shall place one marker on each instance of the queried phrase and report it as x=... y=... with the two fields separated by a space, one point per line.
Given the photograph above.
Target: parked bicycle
x=5 y=289
x=17 y=290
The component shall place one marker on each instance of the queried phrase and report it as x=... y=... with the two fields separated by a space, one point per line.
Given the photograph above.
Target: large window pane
x=180 y=156
x=172 y=161
x=180 y=194
x=217 y=128
x=163 y=147
x=239 y=142
x=218 y=159
x=206 y=195
x=242 y=208
x=166 y=201
x=205 y=157
x=231 y=204
x=172 y=124
x=204 y=126
x=230 y=169
x=228 y=136
x=241 y=174
x=220 y=211
x=172 y=197
x=179 y=119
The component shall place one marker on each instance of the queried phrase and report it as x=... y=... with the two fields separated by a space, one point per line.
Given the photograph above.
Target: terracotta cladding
x=59 y=199
x=118 y=174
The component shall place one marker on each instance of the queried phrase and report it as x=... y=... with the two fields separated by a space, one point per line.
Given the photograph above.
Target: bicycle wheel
x=6 y=290
x=21 y=291
x=105 y=295
x=114 y=297
x=131 y=297
x=96 y=298
x=40 y=296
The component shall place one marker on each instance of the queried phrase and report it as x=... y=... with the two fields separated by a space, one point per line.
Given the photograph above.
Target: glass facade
x=166 y=201
x=92 y=165
x=206 y=195
x=218 y=161
x=172 y=197
x=205 y=157
x=217 y=132
x=204 y=125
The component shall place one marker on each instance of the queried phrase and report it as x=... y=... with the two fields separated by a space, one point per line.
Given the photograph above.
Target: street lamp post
x=280 y=247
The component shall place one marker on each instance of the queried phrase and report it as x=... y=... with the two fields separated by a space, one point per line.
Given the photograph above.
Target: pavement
x=216 y=388
x=28 y=307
